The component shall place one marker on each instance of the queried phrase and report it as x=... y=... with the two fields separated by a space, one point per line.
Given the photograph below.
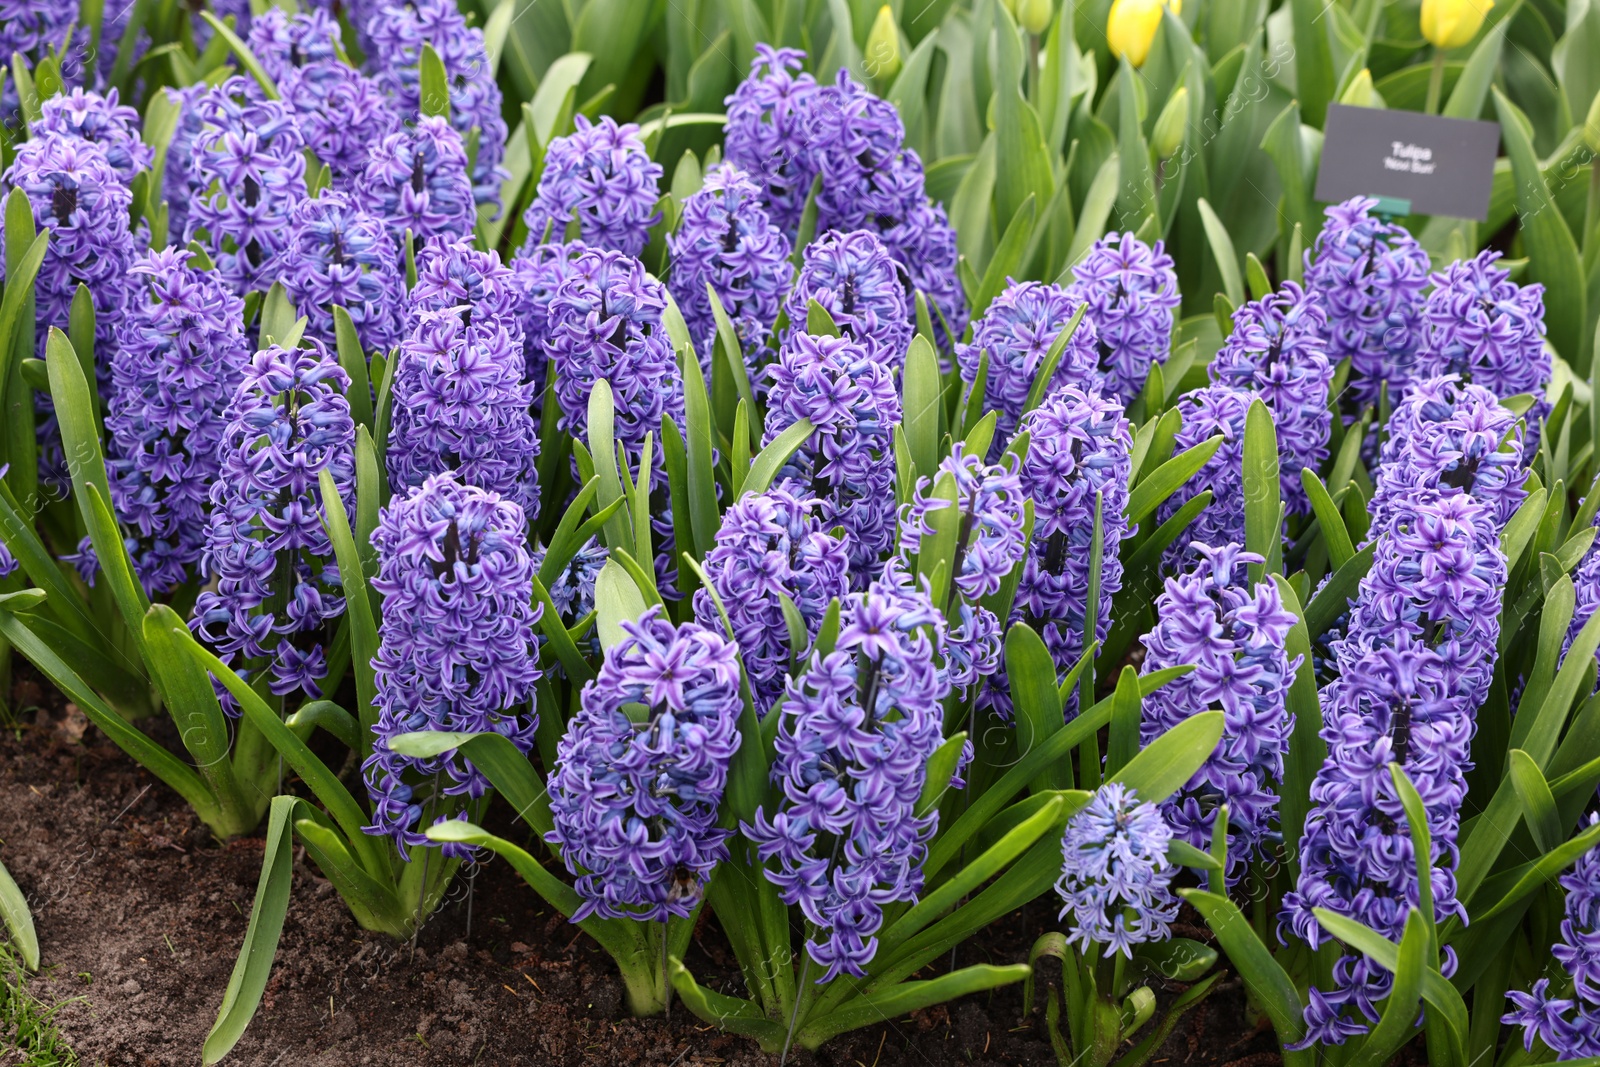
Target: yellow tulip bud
x=1034 y=15
x=1131 y=27
x=1170 y=124
x=1453 y=23
x=1591 y=125
x=882 y=56
x=1360 y=92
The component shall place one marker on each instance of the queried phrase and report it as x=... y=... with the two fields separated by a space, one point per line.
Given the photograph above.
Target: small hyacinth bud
x=1167 y=134
x=1277 y=351
x=396 y=32
x=769 y=118
x=101 y=120
x=770 y=546
x=1131 y=290
x=538 y=272
x=1453 y=23
x=1034 y=16
x=1116 y=879
x=600 y=176
x=853 y=277
x=337 y=254
x=725 y=239
x=277 y=585
x=456 y=647
x=180 y=354
x=1131 y=27
x=988 y=505
x=1208 y=412
x=1016 y=333
x=635 y=801
x=416 y=179
x=1234 y=637
x=881 y=57
x=247 y=172
x=853 y=745
x=1393 y=706
x=1368 y=275
x=848 y=463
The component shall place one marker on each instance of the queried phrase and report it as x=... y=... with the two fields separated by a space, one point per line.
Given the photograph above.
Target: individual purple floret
x=853 y=745
x=1208 y=412
x=1569 y=1024
x=635 y=799
x=1132 y=291
x=770 y=546
x=456 y=648
x=1234 y=636
x=601 y=176
x=180 y=353
x=1017 y=333
x=1392 y=706
x=1078 y=450
x=767 y=134
x=1451 y=437
x=277 y=583
x=856 y=280
x=416 y=179
x=1115 y=876
x=396 y=32
x=848 y=462
x=247 y=172
x=725 y=239
x=539 y=271
x=337 y=254
x=988 y=520
x=102 y=120
x=461 y=404
x=1368 y=275
x=1277 y=350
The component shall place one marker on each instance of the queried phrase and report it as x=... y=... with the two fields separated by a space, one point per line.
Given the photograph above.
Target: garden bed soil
x=140 y=913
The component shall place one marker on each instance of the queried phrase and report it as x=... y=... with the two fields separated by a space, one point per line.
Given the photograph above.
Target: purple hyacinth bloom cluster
x=1132 y=291
x=1570 y=1025
x=988 y=505
x=1368 y=275
x=1016 y=333
x=848 y=463
x=277 y=582
x=337 y=254
x=540 y=271
x=1234 y=637
x=635 y=802
x=768 y=134
x=1586 y=583
x=600 y=176
x=1394 y=705
x=416 y=179
x=456 y=648
x=247 y=172
x=395 y=34
x=1078 y=449
x=34 y=28
x=1277 y=351
x=1116 y=879
x=102 y=120
x=1451 y=437
x=770 y=546
x=572 y=591
x=456 y=275
x=180 y=353
x=1207 y=412
x=725 y=239
x=853 y=745
x=855 y=279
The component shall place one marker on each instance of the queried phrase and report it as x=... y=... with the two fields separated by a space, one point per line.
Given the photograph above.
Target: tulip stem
x=1435 y=83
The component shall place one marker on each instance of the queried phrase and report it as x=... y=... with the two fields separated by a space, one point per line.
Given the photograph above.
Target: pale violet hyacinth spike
x=600 y=177
x=768 y=133
x=1569 y=1022
x=416 y=179
x=102 y=121
x=1132 y=291
x=1116 y=880
x=853 y=277
x=338 y=255
x=1215 y=410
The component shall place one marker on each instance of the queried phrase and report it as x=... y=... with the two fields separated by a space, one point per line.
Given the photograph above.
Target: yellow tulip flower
x=1131 y=27
x=1453 y=23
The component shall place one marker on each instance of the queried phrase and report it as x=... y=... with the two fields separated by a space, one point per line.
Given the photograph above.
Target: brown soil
x=140 y=914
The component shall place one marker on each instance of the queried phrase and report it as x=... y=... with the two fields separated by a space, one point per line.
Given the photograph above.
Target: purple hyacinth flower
x=1234 y=637
x=1569 y=1025
x=855 y=279
x=456 y=275
x=770 y=546
x=34 y=28
x=102 y=120
x=601 y=177
x=848 y=463
x=416 y=179
x=1277 y=351
x=1132 y=291
x=768 y=131
x=539 y=271
x=635 y=802
x=988 y=519
x=337 y=254
x=853 y=745
x=1208 y=412
x=456 y=648
x=277 y=585
x=180 y=354
x=1016 y=333
x=1115 y=876
x=1368 y=275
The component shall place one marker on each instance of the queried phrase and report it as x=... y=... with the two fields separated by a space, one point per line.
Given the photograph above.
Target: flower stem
x=1435 y=83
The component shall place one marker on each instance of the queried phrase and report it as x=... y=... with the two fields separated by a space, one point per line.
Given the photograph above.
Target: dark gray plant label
x=1442 y=166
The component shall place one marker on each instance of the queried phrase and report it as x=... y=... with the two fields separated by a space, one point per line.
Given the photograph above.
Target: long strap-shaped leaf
x=357 y=607
x=1269 y=984
x=18 y=920
x=898 y=1000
